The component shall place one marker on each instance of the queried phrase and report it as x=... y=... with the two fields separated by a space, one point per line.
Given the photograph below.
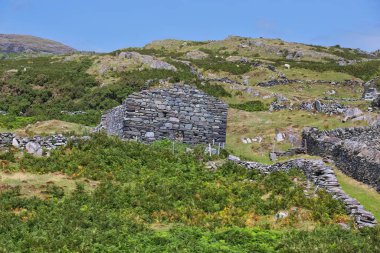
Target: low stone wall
x=322 y=176
x=288 y=153
x=355 y=151
x=285 y=81
x=36 y=144
x=6 y=139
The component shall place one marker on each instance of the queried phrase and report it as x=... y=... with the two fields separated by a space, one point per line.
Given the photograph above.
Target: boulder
x=281 y=215
x=15 y=143
x=34 y=148
x=318 y=106
x=149 y=135
x=273 y=156
x=196 y=55
x=351 y=113
x=279 y=137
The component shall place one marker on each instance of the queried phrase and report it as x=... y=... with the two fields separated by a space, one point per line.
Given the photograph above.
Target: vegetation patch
x=226 y=210
x=42 y=185
x=250 y=106
x=51 y=127
x=367 y=196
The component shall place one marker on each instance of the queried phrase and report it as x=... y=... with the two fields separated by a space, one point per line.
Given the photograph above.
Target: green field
x=367 y=196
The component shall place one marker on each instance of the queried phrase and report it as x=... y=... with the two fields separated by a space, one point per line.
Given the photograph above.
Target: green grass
x=11 y=122
x=242 y=124
x=367 y=196
x=316 y=91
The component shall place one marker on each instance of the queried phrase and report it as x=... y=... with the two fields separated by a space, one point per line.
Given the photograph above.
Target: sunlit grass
x=367 y=196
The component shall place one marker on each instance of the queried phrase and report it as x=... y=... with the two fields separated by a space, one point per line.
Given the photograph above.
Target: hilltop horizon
x=106 y=26
x=69 y=48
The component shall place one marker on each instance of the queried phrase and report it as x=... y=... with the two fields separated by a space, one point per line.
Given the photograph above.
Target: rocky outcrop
x=355 y=150
x=180 y=113
x=323 y=177
x=12 y=43
x=196 y=55
x=148 y=60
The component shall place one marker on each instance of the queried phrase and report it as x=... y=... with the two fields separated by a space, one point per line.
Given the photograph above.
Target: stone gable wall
x=180 y=113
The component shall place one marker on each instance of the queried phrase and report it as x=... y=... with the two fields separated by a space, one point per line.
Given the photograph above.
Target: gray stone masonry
x=180 y=113
x=355 y=150
x=47 y=142
x=322 y=176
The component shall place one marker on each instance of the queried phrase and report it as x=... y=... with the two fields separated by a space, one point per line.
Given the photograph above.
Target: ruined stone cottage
x=181 y=113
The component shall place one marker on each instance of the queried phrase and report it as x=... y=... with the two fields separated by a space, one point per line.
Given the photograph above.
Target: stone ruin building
x=181 y=113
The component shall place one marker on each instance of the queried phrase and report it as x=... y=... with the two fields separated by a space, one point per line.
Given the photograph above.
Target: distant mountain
x=13 y=43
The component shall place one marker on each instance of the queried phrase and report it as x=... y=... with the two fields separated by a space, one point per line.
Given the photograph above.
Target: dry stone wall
x=180 y=113
x=37 y=144
x=355 y=150
x=322 y=176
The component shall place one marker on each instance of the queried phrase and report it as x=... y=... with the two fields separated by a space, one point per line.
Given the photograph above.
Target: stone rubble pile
x=37 y=144
x=322 y=176
x=332 y=108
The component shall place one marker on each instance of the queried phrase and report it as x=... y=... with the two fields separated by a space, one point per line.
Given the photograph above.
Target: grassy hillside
x=108 y=195
x=147 y=199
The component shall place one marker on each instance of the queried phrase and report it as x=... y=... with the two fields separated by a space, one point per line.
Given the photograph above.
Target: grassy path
x=367 y=196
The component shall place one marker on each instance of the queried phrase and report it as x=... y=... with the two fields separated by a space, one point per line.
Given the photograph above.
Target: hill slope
x=12 y=43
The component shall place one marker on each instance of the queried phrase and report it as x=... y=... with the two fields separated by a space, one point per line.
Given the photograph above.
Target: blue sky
x=111 y=24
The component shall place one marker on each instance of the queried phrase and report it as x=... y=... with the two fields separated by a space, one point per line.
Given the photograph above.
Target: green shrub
x=197 y=210
x=250 y=106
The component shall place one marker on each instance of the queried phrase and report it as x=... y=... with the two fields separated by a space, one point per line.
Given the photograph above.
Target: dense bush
x=377 y=83
x=213 y=89
x=49 y=86
x=332 y=239
x=250 y=106
x=153 y=200
x=14 y=122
